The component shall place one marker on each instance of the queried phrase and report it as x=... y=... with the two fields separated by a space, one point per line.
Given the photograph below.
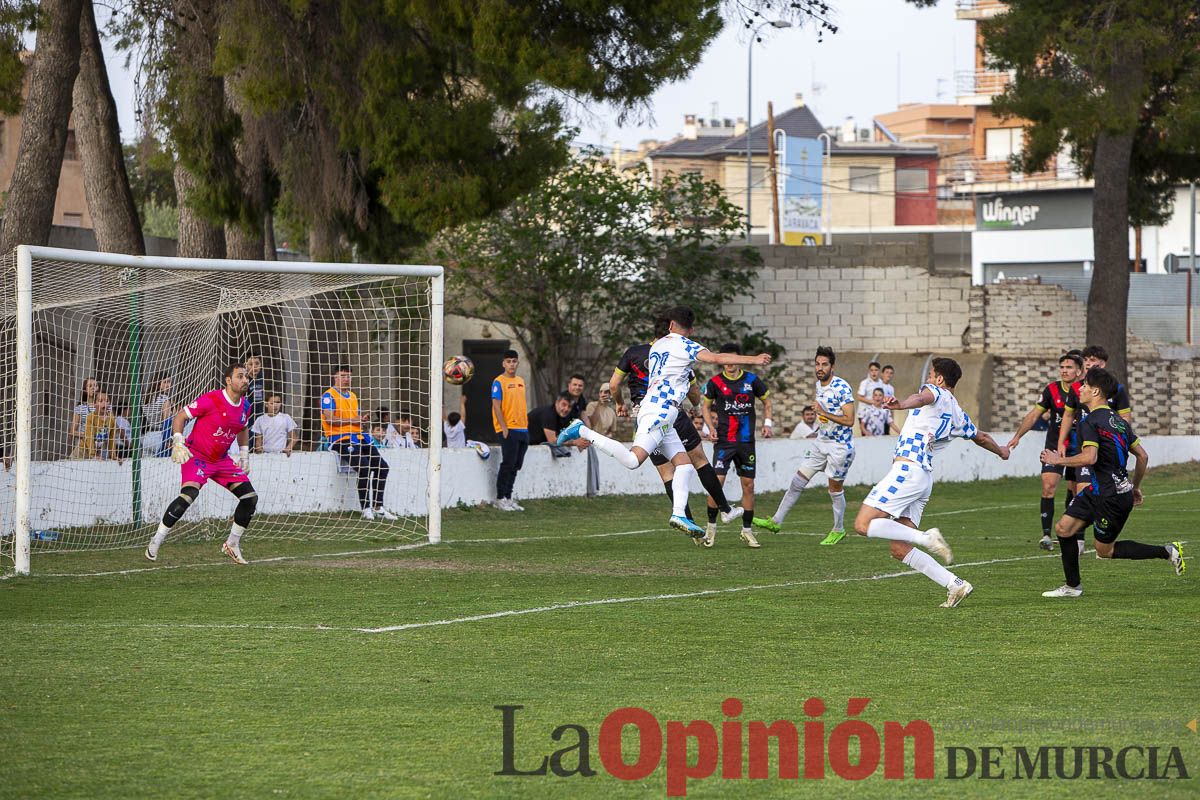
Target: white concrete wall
x=84 y=493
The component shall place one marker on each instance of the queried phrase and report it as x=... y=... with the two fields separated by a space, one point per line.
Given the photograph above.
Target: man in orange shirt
x=343 y=426
x=510 y=417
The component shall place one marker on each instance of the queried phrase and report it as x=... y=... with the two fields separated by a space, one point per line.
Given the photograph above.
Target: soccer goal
x=98 y=351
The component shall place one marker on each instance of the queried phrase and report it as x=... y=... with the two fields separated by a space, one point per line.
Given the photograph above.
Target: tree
x=29 y=211
x=578 y=266
x=1119 y=82
x=98 y=131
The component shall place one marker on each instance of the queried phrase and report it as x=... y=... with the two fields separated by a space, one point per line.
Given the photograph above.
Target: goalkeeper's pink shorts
x=225 y=472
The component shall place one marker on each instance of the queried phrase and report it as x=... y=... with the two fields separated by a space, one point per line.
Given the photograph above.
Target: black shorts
x=1059 y=469
x=734 y=454
x=687 y=434
x=1107 y=514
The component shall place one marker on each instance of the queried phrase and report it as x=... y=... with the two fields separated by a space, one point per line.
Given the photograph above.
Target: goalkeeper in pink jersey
x=221 y=417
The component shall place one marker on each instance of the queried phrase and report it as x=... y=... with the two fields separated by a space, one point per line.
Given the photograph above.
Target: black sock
x=712 y=513
x=1047 y=515
x=1070 y=559
x=712 y=484
x=747 y=517
x=687 y=510
x=1138 y=551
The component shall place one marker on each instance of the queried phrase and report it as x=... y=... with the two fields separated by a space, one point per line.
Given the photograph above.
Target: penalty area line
x=610 y=601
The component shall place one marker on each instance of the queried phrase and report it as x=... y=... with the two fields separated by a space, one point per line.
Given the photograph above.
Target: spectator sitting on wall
x=806 y=428
x=157 y=412
x=869 y=383
x=79 y=414
x=873 y=419
x=99 y=432
x=603 y=412
x=402 y=434
x=545 y=422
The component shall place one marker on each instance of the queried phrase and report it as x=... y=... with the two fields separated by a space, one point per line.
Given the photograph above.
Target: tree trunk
x=243 y=245
x=98 y=131
x=29 y=211
x=1108 y=299
x=325 y=242
x=269 y=237
x=198 y=238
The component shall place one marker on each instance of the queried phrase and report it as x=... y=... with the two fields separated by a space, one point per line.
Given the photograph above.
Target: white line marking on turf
x=506 y=540
x=272 y=560
x=678 y=596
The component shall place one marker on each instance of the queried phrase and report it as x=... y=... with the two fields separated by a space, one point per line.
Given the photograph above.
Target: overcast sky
x=853 y=73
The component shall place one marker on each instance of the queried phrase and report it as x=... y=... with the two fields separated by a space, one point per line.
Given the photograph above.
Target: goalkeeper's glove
x=243 y=459
x=179 y=451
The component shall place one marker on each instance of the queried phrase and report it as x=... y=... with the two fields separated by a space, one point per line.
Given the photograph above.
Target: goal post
x=100 y=350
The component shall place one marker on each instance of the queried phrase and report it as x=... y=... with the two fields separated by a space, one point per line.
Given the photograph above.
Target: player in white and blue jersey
x=833 y=452
x=670 y=361
x=893 y=508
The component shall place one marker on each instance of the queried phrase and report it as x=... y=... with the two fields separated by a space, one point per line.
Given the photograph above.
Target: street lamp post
x=776 y=23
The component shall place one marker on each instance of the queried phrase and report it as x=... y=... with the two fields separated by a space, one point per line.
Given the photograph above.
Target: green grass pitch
x=193 y=677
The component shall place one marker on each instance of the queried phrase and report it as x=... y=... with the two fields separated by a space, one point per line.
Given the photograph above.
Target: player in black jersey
x=633 y=368
x=1068 y=435
x=1053 y=401
x=729 y=413
x=1105 y=442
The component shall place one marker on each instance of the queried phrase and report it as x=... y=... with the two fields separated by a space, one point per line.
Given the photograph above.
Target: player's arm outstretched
x=986 y=441
x=924 y=397
x=733 y=359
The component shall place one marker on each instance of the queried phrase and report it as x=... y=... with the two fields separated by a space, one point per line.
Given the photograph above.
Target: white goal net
x=98 y=352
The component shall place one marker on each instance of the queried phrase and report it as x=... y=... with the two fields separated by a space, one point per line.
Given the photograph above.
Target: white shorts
x=656 y=431
x=832 y=458
x=903 y=492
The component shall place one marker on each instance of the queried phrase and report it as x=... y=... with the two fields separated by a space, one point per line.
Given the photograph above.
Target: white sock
x=679 y=487
x=839 y=510
x=235 y=535
x=925 y=564
x=161 y=535
x=611 y=446
x=790 y=498
x=884 y=528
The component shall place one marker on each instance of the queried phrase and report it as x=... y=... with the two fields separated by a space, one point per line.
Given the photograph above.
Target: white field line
x=680 y=595
x=507 y=540
x=519 y=611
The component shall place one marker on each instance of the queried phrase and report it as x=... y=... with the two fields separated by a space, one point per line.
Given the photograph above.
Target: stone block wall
x=1027 y=327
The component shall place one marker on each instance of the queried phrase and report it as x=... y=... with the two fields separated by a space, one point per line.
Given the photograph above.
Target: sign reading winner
x=800 y=170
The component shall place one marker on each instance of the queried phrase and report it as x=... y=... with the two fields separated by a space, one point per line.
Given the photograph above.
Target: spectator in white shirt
x=874 y=419
x=886 y=375
x=402 y=434
x=275 y=431
x=869 y=383
x=806 y=428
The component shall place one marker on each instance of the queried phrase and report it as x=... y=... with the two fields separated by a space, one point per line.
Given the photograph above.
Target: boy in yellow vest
x=343 y=426
x=510 y=417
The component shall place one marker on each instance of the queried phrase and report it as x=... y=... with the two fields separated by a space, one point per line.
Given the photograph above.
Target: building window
x=71 y=151
x=864 y=179
x=1000 y=144
x=912 y=180
x=72 y=220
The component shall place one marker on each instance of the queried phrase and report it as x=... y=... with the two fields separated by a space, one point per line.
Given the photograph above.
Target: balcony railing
x=970 y=169
x=987 y=83
x=978 y=9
